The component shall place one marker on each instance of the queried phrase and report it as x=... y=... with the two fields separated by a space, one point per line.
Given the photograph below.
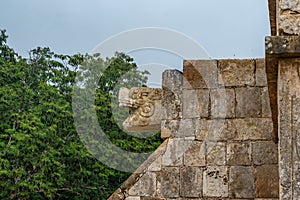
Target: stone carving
x=144 y=105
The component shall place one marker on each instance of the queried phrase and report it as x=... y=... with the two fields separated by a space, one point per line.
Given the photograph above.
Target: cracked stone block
x=215 y=181
x=238 y=153
x=265 y=153
x=248 y=102
x=191 y=182
x=200 y=74
x=236 y=72
x=267 y=181
x=222 y=103
x=168 y=182
x=195 y=103
x=145 y=186
x=260 y=73
x=241 y=182
x=215 y=153
x=195 y=154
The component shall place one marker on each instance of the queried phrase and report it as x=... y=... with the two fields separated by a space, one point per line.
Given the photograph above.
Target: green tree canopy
x=41 y=154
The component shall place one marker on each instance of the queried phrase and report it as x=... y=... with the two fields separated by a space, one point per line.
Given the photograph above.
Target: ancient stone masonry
x=145 y=106
x=218 y=131
x=283 y=64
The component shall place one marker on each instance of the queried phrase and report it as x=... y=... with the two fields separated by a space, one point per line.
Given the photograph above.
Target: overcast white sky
x=224 y=28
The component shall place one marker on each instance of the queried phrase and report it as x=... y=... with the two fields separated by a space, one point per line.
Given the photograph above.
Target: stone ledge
x=282 y=46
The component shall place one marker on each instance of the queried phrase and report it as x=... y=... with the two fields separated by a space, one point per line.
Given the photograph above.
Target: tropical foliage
x=41 y=154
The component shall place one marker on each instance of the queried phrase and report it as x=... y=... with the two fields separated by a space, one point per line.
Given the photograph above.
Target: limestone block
x=260 y=73
x=145 y=186
x=145 y=106
x=191 y=182
x=152 y=198
x=215 y=153
x=195 y=103
x=195 y=154
x=238 y=153
x=200 y=74
x=265 y=101
x=168 y=182
x=248 y=102
x=155 y=166
x=265 y=152
x=236 y=72
x=186 y=128
x=267 y=181
x=289 y=17
x=172 y=95
x=169 y=128
x=241 y=182
x=214 y=130
x=176 y=148
x=215 y=181
x=133 y=198
x=222 y=103
x=253 y=129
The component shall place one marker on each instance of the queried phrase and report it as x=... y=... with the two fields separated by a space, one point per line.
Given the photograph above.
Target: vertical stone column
x=283 y=71
x=289 y=127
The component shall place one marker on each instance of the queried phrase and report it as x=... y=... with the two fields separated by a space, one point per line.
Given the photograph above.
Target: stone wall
x=218 y=131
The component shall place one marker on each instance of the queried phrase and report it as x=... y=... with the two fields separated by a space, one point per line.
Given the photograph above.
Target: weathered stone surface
x=133 y=198
x=172 y=95
x=236 y=72
x=289 y=17
x=215 y=153
x=195 y=103
x=168 y=182
x=215 y=181
x=214 y=130
x=282 y=46
x=184 y=128
x=241 y=182
x=267 y=181
x=145 y=106
x=174 y=153
x=248 y=102
x=289 y=126
x=265 y=153
x=156 y=165
x=152 y=198
x=239 y=153
x=195 y=154
x=253 y=129
x=191 y=182
x=260 y=72
x=265 y=101
x=200 y=74
x=222 y=103
x=145 y=186
x=117 y=195
x=169 y=128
